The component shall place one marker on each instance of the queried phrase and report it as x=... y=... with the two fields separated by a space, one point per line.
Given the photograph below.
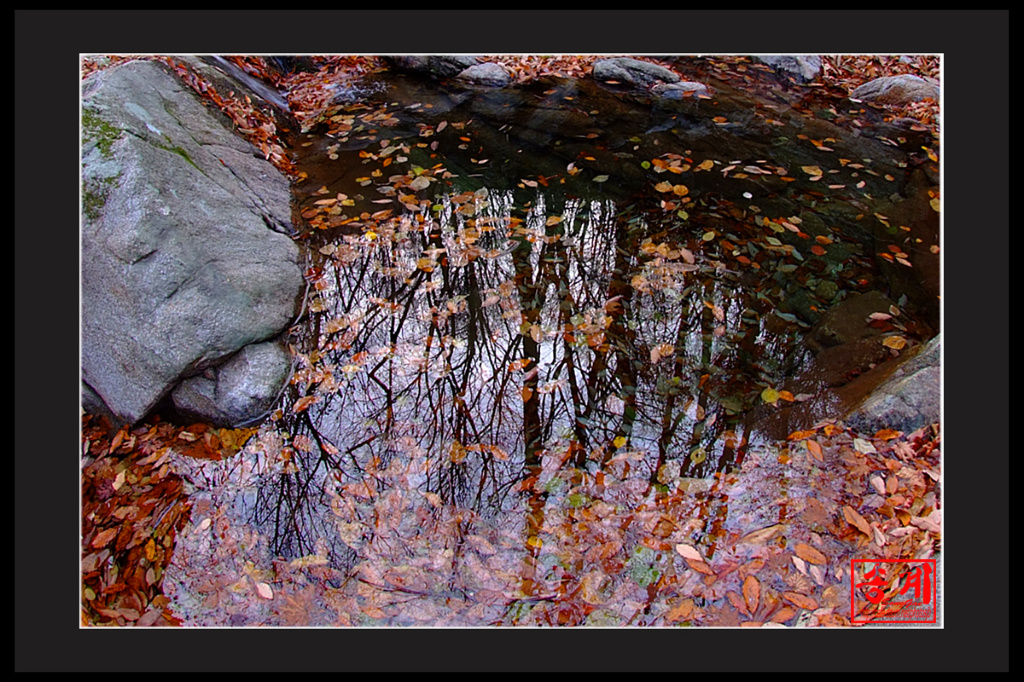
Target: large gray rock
x=245 y=387
x=910 y=398
x=435 y=66
x=488 y=74
x=181 y=263
x=634 y=72
x=802 y=68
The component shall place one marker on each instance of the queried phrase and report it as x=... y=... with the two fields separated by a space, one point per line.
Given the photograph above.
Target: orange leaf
x=303 y=403
x=809 y=554
x=857 y=520
x=801 y=600
x=680 y=612
x=103 y=538
x=751 y=592
x=815 y=449
x=784 y=614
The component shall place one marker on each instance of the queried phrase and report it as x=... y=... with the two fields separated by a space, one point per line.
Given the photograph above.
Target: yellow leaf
x=770 y=395
x=620 y=441
x=894 y=342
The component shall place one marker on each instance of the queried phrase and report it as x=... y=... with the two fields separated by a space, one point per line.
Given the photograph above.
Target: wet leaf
x=856 y=520
x=751 y=593
x=801 y=600
x=894 y=342
x=815 y=449
x=809 y=554
x=770 y=395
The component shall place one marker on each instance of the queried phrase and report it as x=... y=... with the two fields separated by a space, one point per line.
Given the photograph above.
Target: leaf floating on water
x=303 y=403
x=689 y=552
x=751 y=593
x=760 y=536
x=770 y=395
x=809 y=554
x=863 y=446
x=801 y=600
x=601 y=178
x=856 y=520
x=894 y=342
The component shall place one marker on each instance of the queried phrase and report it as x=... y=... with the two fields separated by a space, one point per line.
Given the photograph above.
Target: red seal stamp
x=893 y=591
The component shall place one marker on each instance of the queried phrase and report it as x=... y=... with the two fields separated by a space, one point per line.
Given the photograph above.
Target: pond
x=553 y=332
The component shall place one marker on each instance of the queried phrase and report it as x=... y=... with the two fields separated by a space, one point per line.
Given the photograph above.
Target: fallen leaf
x=809 y=554
x=801 y=600
x=857 y=520
x=751 y=593
x=264 y=590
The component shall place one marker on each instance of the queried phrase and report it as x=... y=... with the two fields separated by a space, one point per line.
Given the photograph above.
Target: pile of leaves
x=770 y=543
x=133 y=507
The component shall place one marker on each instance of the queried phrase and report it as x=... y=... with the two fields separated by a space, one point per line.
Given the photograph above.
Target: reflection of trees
x=485 y=334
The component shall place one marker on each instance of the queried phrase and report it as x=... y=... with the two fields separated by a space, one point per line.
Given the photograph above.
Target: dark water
x=562 y=277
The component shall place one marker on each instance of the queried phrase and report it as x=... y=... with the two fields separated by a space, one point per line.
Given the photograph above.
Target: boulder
x=909 y=399
x=803 y=68
x=487 y=73
x=184 y=262
x=244 y=388
x=439 y=66
x=896 y=90
x=633 y=72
